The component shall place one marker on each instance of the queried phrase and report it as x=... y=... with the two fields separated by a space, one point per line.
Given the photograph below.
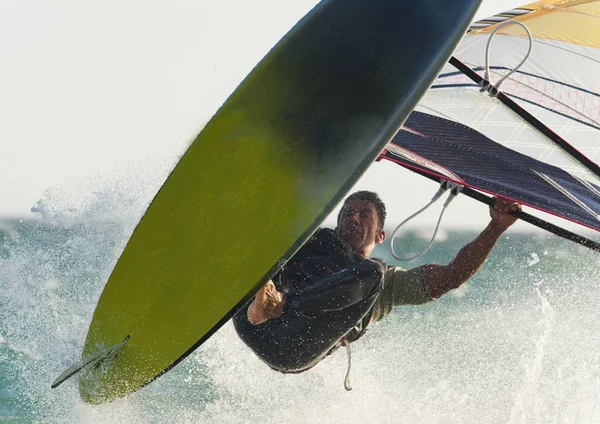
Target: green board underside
x=267 y=169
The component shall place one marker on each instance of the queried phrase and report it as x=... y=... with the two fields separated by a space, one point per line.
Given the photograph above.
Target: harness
x=319 y=259
x=330 y=292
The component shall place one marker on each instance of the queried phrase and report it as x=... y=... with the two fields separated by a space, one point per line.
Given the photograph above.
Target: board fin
x=104 y=357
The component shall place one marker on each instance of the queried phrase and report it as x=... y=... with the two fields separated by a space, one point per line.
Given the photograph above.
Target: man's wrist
x=496 y=228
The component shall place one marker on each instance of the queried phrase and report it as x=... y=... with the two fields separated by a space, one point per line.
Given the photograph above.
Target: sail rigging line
x=532 y=120
x=444 y=186
x=487 y=79
x=524 y=216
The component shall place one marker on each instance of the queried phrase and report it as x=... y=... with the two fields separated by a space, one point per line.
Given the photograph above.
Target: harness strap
x=347 y=384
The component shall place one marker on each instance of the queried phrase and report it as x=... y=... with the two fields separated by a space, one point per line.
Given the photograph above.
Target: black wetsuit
x=329 y=290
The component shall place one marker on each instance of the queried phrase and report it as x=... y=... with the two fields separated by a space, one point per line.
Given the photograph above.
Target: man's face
x=359 y=226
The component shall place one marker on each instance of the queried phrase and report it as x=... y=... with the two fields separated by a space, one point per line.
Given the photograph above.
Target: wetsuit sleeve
x=401 y=287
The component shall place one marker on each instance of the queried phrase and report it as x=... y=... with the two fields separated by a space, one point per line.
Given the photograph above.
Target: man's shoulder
x=381 y=262
x=389 y=268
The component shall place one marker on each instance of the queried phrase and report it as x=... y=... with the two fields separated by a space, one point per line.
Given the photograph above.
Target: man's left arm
x=440 y=279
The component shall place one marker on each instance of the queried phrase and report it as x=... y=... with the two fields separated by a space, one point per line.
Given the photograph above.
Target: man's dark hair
x=367 y=196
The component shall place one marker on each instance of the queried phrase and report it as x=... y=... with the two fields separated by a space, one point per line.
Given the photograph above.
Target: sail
x=536 y=139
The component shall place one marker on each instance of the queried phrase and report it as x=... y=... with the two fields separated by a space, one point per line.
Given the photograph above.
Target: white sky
x=86 y=86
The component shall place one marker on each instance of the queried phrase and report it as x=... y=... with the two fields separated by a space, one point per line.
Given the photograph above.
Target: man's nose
x=354 y=217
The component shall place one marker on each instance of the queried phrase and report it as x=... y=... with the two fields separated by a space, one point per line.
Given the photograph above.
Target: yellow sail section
x=574 y=22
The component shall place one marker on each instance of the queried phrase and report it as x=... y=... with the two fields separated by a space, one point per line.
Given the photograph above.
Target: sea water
x=519 y=343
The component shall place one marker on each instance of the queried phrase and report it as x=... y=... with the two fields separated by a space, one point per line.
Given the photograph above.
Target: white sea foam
x=520 y=341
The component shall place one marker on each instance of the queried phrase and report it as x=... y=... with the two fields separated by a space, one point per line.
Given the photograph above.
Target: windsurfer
x=330 y=291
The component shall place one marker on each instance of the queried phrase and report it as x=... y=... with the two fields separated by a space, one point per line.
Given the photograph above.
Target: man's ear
x=380 y=236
